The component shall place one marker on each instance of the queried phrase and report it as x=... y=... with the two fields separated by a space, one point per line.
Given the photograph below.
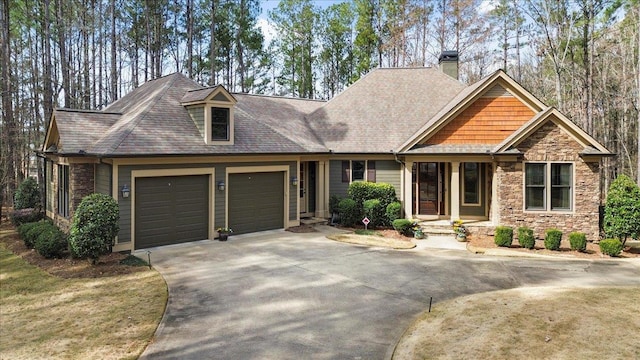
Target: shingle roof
x=383 y=109
x=442 y=149
x=80 y=129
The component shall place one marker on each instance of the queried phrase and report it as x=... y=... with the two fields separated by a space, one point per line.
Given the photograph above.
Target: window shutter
x=345 y=171
x=371 y=171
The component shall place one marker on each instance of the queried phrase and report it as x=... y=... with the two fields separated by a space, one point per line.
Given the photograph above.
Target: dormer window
x=220 y=124
x=211 y=109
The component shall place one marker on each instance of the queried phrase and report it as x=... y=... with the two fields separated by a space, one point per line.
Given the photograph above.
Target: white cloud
x=268 y=30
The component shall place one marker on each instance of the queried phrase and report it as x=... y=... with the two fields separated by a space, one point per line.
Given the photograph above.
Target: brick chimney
x=448 y=61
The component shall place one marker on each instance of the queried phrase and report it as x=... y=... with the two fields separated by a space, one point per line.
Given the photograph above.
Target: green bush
x=403 y=226
x=525 y=237
x=350 y=212
x=622 y=210
x=51 y=243
x=360 y=191
x=28 y=215
x=27 y=195
x=394 y=211
x=334 y=202
x=611 y=247
x=552 y=239
x=504 y=236
x=94 y=227
x=578 y=241
x=31 y=231
x=376 y=213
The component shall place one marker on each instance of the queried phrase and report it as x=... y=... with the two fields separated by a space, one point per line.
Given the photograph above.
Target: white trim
x=547 y=188
x=262 y=169
x=172 y=172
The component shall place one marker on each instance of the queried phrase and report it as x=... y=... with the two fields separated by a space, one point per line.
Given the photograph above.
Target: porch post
x=407 y=192
x=322 y=195
x=455 y=190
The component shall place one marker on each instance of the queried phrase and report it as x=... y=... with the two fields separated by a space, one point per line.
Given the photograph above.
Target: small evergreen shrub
x=360 y=191
x=394 y=211
x=504 y=236
x=525 y=237
x=27 y=215
x=334 y=202
x=622 y=210
x=376 y=213
x=349 y=212
x=32 y=232
x=552 y=239
x=94 y=227
x=611 y=247
x=27 y=195
x=51 y=243
x=403 y=226
x=578 y=241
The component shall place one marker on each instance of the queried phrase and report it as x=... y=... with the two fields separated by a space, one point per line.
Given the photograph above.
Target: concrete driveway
x=280 y=295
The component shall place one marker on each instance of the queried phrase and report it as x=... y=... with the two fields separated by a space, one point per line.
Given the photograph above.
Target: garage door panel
x=171 y=209
x=256 y=201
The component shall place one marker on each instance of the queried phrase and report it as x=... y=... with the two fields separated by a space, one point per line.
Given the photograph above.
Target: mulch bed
x=67 y=268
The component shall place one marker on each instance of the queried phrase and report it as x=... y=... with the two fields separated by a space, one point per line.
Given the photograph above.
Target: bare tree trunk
x=9 y=138
x=190 y=38
x=212 y=54
x=114 y=69
x=64 y=58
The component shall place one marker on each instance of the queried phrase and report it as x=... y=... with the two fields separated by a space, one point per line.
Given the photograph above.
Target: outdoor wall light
x=221 y=185
x=125 y=191
x=294 y=181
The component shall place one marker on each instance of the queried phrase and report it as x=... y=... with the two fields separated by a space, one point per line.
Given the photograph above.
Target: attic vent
x=497 y=91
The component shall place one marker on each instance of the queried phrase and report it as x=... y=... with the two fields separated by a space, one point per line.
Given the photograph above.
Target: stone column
x=455 y=190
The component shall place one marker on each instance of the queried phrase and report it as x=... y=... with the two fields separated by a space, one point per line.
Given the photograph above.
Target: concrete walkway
x=280 y=295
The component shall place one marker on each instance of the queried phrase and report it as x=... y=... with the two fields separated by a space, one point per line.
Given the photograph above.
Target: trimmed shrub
x=349 y=212
x=32 y=232
x=28 y=215
x=622 y=210
x=394 y=211
x=611 y=247
x=27 y=195
x=552 y=239
x=94 y=227
x=403 y=226
x=376 y=213
x=504 y=236
x=525 y=237
x=360 y=191
x=334 y=202
x=51 y=243
x=578 y=241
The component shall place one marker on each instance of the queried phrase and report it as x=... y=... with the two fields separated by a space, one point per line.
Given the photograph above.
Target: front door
x=428 y=189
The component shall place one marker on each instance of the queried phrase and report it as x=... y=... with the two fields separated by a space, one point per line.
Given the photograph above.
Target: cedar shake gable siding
x=486 y=121
x=550 y=143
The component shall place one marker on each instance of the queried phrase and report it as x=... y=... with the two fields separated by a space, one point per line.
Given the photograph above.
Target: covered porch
x=443 y=190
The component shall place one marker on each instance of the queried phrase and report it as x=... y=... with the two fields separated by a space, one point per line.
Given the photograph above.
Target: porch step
x=437 y=230
x=313 y=221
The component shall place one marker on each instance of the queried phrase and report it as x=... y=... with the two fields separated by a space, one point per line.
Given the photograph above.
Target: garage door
x=171 y=209
x=256 y=202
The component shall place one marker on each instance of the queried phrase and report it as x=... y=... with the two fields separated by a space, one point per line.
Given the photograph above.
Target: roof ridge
x=89 y=111
x=278 y=97
x=141 y=117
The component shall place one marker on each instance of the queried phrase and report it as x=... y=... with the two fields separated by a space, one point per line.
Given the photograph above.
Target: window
x=63 y=190
x=219 y=124
x=471 y=184
x=548 y=186
x=358 y=170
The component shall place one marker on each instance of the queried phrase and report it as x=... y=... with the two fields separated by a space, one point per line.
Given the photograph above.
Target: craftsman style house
x=182 y=160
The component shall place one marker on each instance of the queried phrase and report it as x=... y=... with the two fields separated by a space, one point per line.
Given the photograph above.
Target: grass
x=367 y=232
x=43 y=316
x=529 y=323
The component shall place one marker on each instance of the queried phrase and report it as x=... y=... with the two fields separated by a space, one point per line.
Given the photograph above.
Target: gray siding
x=103 y=179
x=387 y=171
x=197 y=115
x=124 y=177
x=336 y=186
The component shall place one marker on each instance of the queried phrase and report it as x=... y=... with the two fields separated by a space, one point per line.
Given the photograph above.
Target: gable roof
x=465 y=98
x=591 y=146
x=75 y=131
x=381 y=110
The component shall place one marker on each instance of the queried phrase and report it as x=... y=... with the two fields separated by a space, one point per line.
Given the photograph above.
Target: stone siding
x=81 y=184
x=551 y=143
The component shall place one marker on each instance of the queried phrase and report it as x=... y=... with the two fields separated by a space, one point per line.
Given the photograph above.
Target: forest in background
x=581 y=56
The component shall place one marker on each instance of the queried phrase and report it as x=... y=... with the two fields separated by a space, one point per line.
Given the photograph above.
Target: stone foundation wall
x=551 y=143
